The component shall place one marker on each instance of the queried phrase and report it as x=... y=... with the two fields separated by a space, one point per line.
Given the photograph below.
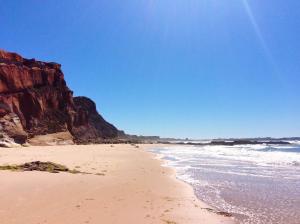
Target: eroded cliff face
x=89 y=125
x=35 y=100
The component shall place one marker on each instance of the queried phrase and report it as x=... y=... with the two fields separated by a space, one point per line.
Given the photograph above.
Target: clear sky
x=179 y=68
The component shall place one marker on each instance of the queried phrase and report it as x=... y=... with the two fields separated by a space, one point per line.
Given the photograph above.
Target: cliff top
x=14 y=58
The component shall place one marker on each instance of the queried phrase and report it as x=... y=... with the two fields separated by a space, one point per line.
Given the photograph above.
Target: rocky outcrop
x=88 y=124
x=35 y=100
x=11 y=129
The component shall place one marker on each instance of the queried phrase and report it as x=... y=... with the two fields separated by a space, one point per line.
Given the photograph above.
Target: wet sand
x=125 y=184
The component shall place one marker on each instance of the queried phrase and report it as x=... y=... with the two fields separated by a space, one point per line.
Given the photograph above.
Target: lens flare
x=260 y=36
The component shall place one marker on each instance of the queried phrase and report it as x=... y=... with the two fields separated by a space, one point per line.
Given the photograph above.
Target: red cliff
x=35 y=100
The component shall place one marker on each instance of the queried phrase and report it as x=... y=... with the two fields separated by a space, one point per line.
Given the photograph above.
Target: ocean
x=258 y=184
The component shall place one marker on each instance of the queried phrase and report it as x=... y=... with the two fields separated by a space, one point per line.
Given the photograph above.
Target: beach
x=118 y=184
x=257 y=184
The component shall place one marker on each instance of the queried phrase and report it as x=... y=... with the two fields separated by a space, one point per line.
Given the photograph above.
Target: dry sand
x=127 y=185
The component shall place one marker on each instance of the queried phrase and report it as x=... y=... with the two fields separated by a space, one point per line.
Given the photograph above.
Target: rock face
x=88 y=125
x=35 y=100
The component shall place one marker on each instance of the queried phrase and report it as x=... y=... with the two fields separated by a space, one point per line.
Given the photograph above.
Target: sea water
x=258 y=184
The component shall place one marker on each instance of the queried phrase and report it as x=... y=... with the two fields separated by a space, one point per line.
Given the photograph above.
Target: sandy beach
x=125 y=184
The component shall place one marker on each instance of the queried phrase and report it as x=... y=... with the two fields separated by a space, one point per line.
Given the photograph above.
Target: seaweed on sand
x=39 y=166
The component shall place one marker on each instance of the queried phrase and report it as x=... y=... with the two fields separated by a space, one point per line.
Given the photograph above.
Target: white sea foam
x=258 y=154
x=242 y=179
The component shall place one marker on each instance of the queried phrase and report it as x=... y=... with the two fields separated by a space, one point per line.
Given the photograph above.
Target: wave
x=256 y=183
x=263 y=155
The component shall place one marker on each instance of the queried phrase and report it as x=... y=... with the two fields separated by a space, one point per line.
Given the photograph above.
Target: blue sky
x=180 y=68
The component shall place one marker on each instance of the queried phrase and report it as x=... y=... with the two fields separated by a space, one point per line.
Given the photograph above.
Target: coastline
x=124 y=184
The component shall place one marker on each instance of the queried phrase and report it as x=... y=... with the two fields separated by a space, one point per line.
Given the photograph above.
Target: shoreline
x=125 y=184
x=175 y=177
